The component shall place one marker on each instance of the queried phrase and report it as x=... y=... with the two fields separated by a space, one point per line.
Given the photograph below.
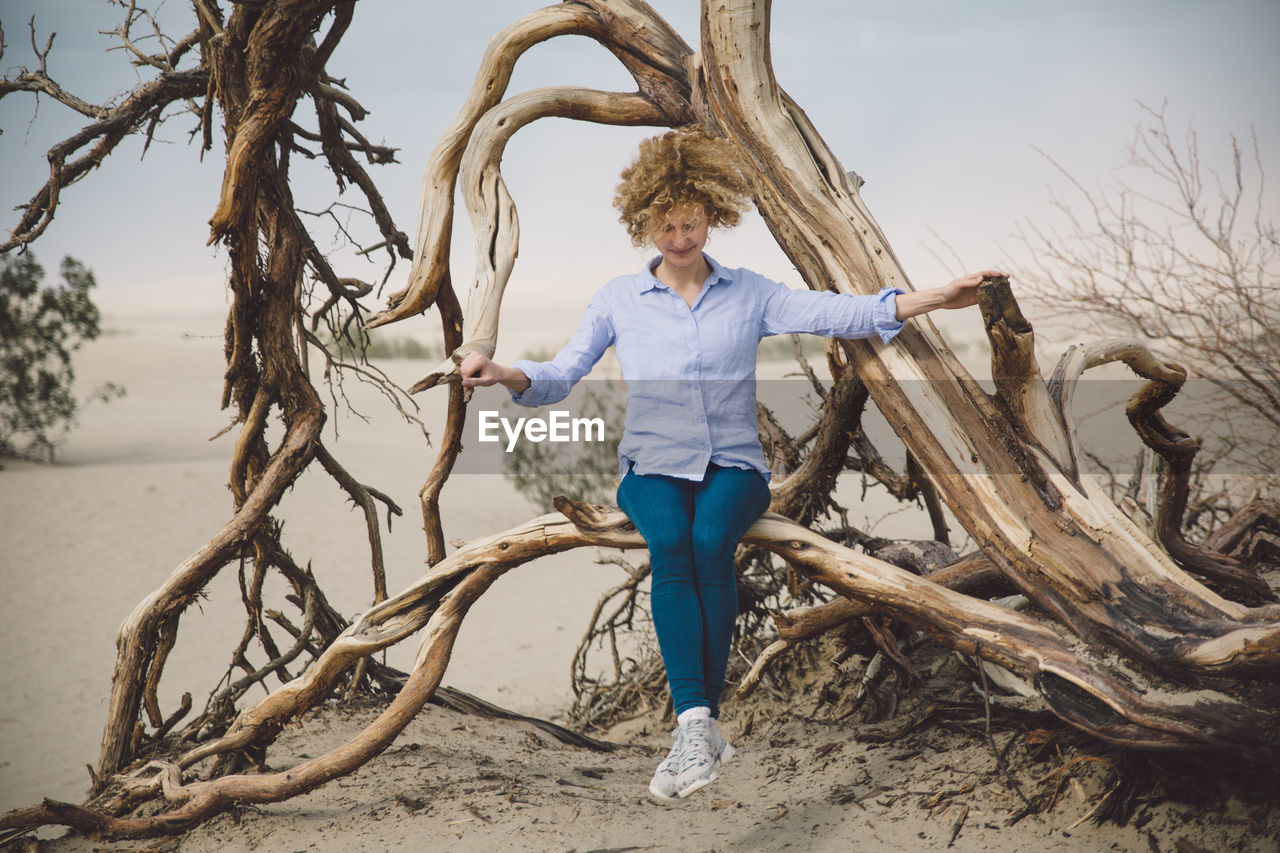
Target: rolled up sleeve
x=886 y=319
x=551 y=381
x=831 y=315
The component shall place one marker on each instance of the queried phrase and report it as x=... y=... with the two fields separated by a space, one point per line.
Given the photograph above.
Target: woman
x=693 y=473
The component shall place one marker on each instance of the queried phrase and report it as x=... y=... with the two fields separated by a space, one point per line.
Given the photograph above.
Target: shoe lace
x=697 y=747
x=671 y=763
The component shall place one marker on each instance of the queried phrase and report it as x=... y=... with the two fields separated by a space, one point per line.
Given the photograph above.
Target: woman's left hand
x=963 y=292
x=960 y=293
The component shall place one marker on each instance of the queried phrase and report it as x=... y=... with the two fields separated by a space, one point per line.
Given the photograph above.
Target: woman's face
x=681 y=235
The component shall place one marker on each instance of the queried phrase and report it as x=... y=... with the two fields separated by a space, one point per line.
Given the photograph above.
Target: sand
x=139 y=485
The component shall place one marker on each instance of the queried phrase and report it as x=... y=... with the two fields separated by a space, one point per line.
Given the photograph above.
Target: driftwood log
x=1128 y=642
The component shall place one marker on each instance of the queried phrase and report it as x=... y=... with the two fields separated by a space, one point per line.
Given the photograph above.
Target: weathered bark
x=255 y=91
x=1022 y=389
x=1031 y=517
x=135 y=638
x=1174 y=446
x=257 y=65
x=451 y=441
x=1252 y=535
x=491 y=207
x=993 y=474
x=642 y=41
x=972 y=625
x=111 y=123
x=1004 y=466
x=804 y=493
x=1224 y=572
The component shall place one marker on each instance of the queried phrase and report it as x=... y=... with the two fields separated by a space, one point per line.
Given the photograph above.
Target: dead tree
x=1182 y=252
x=1125 y=643
x=255 y=67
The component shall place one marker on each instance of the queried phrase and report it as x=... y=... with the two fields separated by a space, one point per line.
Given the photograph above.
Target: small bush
x=39 y=330
x=586 y=471
x=369 y=348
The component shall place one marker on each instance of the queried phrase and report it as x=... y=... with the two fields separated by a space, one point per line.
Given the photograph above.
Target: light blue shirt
x=690 y=373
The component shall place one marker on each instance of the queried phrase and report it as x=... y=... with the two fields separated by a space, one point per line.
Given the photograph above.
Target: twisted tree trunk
x=1005 y=466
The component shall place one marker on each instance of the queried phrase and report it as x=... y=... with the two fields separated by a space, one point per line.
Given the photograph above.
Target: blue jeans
x=692 y=529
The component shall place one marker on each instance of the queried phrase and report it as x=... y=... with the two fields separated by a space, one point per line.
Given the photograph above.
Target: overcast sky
x=941 y=106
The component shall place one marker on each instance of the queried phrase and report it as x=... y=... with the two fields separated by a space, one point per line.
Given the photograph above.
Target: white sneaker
x=701 y=751
x=663 y=784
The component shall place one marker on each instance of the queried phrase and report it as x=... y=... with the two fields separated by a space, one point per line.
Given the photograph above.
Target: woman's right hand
x=478 y=369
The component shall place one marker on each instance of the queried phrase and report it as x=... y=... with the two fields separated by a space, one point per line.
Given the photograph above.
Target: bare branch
x=1183 y=254
x=145 y=105
x=644 y=43
x=364 y=497
x=492 y=211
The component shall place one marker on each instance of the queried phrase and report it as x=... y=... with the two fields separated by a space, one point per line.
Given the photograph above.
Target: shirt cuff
x=885 y=318
x=531 y=396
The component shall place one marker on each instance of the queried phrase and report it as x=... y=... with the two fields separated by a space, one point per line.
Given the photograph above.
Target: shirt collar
x=646 y=280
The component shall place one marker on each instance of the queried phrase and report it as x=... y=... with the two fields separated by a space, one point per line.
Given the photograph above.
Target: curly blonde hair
x=685 y=166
